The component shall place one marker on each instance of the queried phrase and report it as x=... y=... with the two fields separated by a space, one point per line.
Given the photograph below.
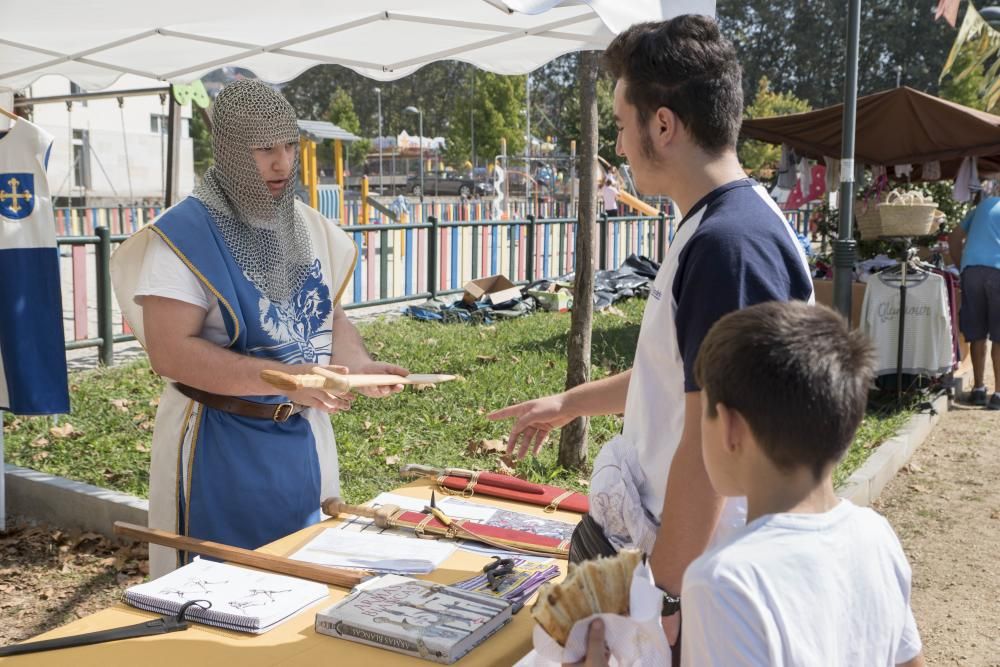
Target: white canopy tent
x=94 y=43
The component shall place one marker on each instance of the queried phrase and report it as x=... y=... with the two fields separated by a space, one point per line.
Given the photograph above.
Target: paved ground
x=945 y=506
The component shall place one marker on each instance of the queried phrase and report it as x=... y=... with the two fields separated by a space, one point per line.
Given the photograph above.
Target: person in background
x=609 y=193
x=975 y=248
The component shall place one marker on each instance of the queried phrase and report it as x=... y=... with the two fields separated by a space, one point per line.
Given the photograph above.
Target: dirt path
x=945 y=506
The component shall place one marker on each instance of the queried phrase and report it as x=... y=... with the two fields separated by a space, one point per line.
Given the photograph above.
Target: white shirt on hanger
x=927 y=342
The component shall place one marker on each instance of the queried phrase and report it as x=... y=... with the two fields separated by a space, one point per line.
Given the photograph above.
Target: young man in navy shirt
x=678 y=106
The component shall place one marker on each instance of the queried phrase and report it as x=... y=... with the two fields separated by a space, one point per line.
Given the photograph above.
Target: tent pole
x=3 y=476
x=173 y=150
x=845 y=247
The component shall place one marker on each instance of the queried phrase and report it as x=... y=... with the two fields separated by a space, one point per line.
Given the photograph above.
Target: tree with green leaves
x=964 y=76
x=757 y=156
x=496 y=111
x=967 y=89
x=341 y=113
x=801 y=46
x=607 y=130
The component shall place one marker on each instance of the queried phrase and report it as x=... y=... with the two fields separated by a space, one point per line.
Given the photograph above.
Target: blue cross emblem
x=17 y=195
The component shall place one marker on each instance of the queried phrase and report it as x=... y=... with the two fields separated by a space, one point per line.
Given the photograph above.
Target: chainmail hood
x=267 y=237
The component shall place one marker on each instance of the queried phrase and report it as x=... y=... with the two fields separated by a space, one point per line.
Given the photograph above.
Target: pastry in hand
x=599 y=586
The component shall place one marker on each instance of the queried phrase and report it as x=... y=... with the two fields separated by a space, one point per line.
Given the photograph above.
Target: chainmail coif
x=267 y=237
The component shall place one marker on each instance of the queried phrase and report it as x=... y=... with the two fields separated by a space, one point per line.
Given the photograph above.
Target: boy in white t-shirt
x=812 y=579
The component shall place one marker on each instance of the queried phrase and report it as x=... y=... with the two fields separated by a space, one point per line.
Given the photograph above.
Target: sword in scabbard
x=435 y=522
x=487 y=478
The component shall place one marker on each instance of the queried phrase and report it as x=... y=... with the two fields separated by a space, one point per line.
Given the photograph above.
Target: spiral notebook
x=241 y=599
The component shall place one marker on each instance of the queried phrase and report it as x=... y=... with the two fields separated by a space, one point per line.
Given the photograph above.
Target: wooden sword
x=324 y=378
x=261 y=561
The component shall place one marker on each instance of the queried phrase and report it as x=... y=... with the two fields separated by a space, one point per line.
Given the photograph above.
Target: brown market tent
x=898 y=126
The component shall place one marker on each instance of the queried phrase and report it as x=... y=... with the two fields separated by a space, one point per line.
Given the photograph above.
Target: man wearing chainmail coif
x=238 y=278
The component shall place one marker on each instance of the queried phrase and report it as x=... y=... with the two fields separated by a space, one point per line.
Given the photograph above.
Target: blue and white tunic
x=215 y=475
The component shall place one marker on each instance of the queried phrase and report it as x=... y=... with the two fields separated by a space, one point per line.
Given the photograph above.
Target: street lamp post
x=381 y=185
x=420 y=131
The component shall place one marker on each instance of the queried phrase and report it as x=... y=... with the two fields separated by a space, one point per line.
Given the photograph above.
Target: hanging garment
x=931 y=171
x=832 y=174
x=805 y=174
x=927 y=336
x=32 y=343
x=966 y=180
x=808 y=191
x=786 y=168
x=903 y=170
x=951 y=287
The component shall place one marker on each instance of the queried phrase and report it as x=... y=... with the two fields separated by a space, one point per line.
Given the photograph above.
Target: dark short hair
x=686 y=65
x=797 y=375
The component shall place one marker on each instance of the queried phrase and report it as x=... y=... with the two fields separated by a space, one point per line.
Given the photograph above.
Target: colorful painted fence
x=403 y=262
x=119 y=220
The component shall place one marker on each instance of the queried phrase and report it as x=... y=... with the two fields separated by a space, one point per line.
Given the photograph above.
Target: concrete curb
x=866 y=483
x=65 y=503
x=68 y=504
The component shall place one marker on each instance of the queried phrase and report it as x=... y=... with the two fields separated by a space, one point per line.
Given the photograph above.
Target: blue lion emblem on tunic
x=296 y=325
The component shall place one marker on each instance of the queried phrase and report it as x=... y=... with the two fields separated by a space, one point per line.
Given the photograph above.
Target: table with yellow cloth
x=293 y=642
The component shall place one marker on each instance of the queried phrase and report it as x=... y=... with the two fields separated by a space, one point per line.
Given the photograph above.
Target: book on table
x=235 y=598
x=419 y=618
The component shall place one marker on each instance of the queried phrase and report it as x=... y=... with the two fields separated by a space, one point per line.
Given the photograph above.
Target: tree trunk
x=573 y=441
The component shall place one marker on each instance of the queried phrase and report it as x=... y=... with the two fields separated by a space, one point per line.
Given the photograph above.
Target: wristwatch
x=671 y=603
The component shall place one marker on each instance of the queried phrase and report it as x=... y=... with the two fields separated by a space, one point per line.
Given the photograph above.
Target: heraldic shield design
x=17 y=195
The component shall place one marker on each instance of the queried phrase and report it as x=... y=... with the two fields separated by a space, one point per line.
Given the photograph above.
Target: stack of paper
x=375 y=551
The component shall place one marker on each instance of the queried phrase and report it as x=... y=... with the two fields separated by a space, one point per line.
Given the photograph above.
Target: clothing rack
x=907 y=253
x=908 y=264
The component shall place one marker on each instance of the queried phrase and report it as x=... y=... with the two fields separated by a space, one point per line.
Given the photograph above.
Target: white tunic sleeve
x=163 y=274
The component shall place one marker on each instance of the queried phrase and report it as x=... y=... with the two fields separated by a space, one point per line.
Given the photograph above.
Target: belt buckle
x=282 y=411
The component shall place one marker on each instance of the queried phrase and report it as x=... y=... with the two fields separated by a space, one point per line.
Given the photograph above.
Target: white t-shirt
x=610 y=195
x=734 y=249
x=165 y=275
x=829 y=589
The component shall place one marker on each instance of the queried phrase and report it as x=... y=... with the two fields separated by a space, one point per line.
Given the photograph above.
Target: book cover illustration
x=531 y=524
x=422 y=618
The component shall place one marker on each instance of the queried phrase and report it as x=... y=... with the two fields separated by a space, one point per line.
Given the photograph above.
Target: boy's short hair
x=686 y=65
x=797 y=375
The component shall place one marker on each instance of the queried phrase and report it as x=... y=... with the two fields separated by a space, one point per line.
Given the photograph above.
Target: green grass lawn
x=106 y=438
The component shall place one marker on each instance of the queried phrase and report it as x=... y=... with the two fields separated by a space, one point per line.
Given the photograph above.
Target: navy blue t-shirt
x=742 y=252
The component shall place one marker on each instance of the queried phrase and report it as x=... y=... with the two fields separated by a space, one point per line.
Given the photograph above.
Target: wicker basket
x=869 y=219
x=907 y=214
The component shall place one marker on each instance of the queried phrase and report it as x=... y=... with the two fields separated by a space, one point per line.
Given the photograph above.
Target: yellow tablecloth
x=294 y=642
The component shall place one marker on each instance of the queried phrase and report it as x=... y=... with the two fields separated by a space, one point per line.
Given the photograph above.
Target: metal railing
x=400 y=262
x=106 y=336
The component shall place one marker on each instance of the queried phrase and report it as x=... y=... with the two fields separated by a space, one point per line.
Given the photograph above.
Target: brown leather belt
x=279 y=412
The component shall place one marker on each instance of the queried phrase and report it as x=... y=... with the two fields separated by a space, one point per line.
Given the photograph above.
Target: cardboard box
x=824 y=295
x=555 y=302
x=496 y=289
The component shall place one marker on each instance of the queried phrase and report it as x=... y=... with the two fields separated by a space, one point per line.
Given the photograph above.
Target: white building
x=88 y=159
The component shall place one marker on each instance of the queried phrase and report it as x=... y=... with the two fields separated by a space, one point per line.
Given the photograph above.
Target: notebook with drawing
x=242 y=599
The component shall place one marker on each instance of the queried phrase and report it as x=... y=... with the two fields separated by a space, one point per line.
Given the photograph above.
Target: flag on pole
x=32 y=345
